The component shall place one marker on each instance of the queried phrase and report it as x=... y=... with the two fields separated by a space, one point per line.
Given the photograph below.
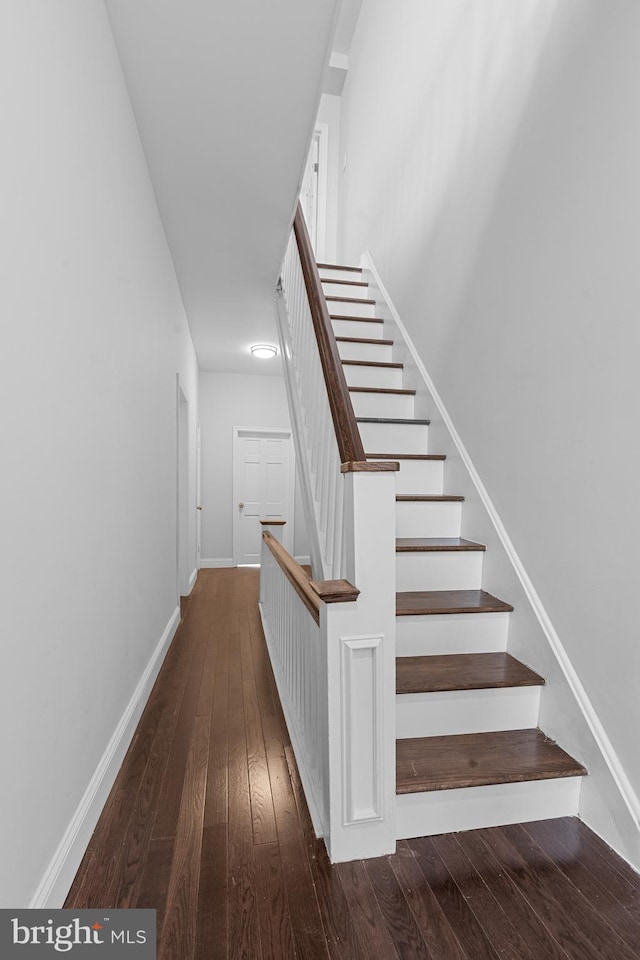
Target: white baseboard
x=589 y=713
x=303 y=561
x=192 y=579
x=58 y=877
x=212 y=563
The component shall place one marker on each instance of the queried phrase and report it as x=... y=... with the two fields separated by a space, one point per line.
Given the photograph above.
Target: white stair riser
x=471 y=808
x=346 y=308
x=418 y=476
x=358 y=328
x=466 y=711
x=343 y=290
x=390 y=377
x=428 y=518
x=445 y=633
x=439 y=570
x=383 y=405
x=395 y=438
x=365 y=351
x=326 y=273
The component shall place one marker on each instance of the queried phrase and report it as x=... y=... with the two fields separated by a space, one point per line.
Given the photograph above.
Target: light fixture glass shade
x=263 y=350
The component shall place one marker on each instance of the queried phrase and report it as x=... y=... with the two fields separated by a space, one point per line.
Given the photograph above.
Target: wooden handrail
x=344 y=421
x=294 y=574
x=311 y=592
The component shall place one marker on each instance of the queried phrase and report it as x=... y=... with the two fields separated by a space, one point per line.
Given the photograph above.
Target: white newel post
x=361 y=677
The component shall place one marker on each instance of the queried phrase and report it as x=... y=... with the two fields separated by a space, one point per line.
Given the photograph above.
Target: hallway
x=207 y=823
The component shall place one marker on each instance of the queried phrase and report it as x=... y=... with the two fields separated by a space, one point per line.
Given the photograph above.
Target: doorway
x=313 y=195
x=263 y=488
x=183 y=552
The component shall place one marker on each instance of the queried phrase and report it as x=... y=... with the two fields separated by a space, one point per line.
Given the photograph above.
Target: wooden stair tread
x=333 y=299
x=392 y=420
x=435 y=544
x=372 y=363
x=394 y=390
x=347 y=283
x=477 y=759
x=428 y=602
x=338 y=266
x=429 y=498
x=343 y=316
x=462 y=671
x=406 y=456
x=384 y=343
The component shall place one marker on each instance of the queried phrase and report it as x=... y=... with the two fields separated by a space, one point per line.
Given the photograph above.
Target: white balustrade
x=299 y=661
x=324 y=491
x=334 y=666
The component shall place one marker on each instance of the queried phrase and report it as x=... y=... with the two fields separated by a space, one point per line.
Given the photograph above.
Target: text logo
x=78 y=933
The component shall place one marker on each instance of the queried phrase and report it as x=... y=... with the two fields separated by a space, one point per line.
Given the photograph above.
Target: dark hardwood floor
x=207 y=823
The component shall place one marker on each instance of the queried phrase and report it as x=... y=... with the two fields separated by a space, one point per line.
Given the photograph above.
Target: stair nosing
x=347 y=283
x=459 y=603
x=422 y=423
x=383 y=343
x=333 y=299
x=429 y=498
x=337 y=266
x=525 y=774
x=438 y=546
x=342 y=318
x=373 y=363
x=399 y=391
x=465 y=663
x=406 y=456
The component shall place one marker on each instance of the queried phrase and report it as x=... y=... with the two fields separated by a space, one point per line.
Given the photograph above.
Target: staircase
x=469 y=751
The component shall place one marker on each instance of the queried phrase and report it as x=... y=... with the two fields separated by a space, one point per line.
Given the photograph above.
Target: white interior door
x=198 y=496
x=313 y=195
x=263 y=488
x=183 y=552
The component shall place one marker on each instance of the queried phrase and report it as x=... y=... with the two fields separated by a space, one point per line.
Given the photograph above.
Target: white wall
x=229 y=400
x=93 y=335
x=492 y=171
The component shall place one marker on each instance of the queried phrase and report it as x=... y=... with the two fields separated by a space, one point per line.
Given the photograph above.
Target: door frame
x=263 y=433
x=183 y=464
x=321 y=131
x=198 y=494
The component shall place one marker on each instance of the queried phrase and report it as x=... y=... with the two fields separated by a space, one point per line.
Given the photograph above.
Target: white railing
x=310 y=405
x=299 y=661
x=335 y=665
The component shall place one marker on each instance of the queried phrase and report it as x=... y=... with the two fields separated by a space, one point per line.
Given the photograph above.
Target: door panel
x=262 y=489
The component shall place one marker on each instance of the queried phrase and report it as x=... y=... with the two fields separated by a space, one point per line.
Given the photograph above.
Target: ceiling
x=225 y=97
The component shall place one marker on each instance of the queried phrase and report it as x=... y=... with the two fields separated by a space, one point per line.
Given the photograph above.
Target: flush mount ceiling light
x=263 y=350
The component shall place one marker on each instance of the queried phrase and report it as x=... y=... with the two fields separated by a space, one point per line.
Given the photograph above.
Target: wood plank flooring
x=207 y=823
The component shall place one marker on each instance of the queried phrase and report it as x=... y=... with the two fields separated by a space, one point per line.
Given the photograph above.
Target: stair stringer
x=608 y=803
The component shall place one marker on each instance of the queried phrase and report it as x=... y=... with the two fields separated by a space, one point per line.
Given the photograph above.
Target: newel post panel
x=360 y=639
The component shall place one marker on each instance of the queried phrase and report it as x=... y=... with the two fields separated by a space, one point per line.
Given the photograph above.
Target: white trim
x=213 y=563
x=192 y=579
x=363 y=770
x=58 y=877
x=598 y=732
x=303 y=561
